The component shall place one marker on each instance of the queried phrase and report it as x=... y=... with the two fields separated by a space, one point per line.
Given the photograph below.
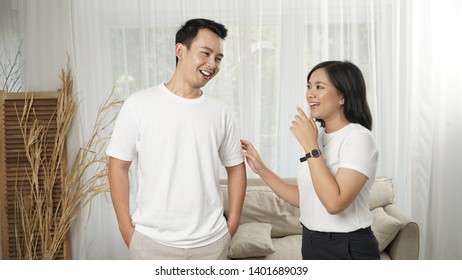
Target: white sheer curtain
x=428 y=90
x=407 y=50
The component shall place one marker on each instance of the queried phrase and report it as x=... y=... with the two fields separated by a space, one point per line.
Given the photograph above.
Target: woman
x=338 y=170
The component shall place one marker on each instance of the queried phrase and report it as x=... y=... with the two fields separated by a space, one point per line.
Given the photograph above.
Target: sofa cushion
x=251 y=240
x=262 y=205
x=385 y=227
x=287 y=248
x=381 y=193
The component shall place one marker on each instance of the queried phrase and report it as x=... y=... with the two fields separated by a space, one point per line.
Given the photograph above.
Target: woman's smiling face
x=323 y=98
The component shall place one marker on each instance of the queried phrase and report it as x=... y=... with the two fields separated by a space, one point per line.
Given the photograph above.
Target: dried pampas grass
x=45 y=220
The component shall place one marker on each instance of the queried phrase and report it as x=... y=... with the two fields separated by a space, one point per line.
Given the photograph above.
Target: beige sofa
x=270 y=228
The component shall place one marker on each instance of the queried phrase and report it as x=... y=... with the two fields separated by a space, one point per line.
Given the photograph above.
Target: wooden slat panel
x=14 y=166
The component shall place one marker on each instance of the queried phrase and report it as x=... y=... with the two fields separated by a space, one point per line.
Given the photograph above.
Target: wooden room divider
x=16 y=173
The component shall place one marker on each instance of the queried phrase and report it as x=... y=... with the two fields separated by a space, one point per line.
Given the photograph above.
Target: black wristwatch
x=315 y=153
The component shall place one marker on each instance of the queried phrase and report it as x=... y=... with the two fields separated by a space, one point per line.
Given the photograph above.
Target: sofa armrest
x=405 y=246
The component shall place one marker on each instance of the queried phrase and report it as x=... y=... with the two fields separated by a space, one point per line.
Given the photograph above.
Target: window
x=10 y=48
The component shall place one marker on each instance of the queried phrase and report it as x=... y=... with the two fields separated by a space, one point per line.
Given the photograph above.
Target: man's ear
x=179 y=50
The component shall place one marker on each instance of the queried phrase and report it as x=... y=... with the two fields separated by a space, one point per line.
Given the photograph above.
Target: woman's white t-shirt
x=351 y=147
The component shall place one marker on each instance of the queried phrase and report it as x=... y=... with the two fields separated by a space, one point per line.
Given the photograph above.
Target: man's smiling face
x=201 y=61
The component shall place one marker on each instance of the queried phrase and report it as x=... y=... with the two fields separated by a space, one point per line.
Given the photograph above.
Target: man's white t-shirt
x=179 y=145
x=351 y=147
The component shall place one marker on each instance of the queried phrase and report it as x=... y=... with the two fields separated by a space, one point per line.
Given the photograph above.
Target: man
x=180 y=137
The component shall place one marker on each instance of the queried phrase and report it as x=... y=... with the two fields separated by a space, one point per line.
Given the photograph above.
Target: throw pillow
x=381 y=193
x=385 y=227
x=251 y=240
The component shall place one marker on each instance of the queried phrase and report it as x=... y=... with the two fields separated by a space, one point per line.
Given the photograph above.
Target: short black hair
x=188 y=32
x=349 y=81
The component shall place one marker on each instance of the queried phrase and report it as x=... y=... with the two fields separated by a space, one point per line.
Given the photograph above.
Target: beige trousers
x=144 y=248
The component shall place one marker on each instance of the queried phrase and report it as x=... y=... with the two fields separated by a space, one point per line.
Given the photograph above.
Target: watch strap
x=305 y=158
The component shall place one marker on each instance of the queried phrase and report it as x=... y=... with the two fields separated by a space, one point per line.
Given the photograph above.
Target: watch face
x=315 y=153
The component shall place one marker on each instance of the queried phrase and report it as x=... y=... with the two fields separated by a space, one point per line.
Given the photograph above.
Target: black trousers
x=357 y=245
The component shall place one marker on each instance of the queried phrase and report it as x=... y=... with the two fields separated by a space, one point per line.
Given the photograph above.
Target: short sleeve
x=359 y=152
x=124 y=136
x=230 y=150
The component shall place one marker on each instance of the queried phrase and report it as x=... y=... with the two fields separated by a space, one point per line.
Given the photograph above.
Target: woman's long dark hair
x=349 y=81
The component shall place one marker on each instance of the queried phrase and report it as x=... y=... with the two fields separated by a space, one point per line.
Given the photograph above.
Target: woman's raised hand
x=252 y=157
